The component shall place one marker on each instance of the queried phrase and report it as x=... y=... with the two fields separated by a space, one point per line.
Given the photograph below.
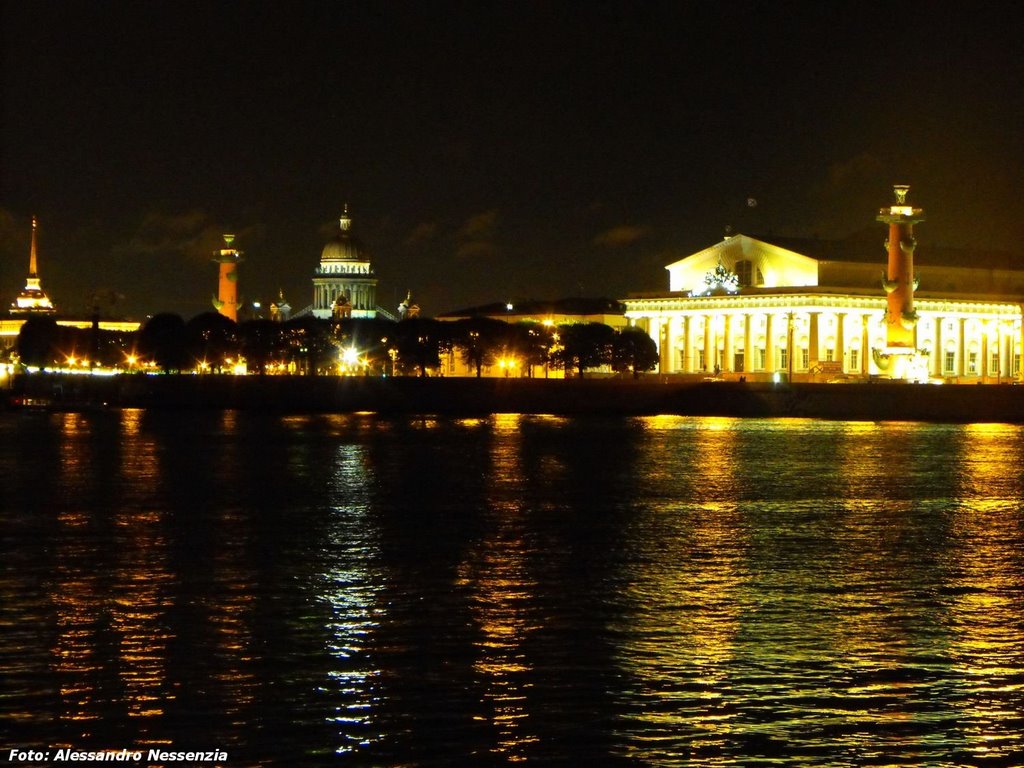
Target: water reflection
x=986 y=592
x=752 y=625
x=497 y=573
x=351 y=588
x=685 y=598
x=672 y=591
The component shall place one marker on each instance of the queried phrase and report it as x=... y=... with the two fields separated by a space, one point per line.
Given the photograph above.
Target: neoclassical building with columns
x=344 y=285
x=816 y=310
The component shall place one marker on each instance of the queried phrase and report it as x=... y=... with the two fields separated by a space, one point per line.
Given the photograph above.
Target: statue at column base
x=901 y=364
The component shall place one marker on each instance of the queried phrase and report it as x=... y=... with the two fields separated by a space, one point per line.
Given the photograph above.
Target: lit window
x=972 y=362
x=854 y=359
x=949 y=362
x=744 y=270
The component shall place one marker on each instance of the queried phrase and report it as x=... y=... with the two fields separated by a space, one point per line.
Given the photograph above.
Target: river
x=360 y=590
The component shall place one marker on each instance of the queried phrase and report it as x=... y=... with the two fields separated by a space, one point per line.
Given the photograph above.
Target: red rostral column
x=227 y=284
x=899 y=281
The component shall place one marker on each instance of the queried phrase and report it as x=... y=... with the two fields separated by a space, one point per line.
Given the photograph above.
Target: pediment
x=770 y=266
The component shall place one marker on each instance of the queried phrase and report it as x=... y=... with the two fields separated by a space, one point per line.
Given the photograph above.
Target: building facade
x=344 y=285
x=758 y=310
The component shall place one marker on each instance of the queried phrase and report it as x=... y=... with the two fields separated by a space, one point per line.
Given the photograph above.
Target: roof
x=344 y=246
x=867 y=246
x=533 y=307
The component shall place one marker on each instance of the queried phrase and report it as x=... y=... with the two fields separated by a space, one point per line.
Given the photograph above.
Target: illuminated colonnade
x=808 y=332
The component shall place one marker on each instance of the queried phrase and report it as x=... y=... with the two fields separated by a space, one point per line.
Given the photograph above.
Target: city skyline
x=488 y=152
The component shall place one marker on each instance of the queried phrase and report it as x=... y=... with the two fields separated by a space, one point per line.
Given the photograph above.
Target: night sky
x=488 y=151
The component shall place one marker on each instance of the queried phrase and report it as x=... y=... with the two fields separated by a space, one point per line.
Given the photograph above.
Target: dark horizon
x=487 y=151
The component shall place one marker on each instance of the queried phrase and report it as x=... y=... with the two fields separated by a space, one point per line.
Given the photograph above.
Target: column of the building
x=686 y=363
x=1006 y=352
x=790 y=341
x=938 y=361
x=961 y=347
x=1017 y=349
x=841 y=339
x=812 y=341
x=865 y=344
x=664 y=353
x=748 y=350
x=983 y=370
x=769 y=343
x=710 y=344
x=668 y=341
x=727 y=357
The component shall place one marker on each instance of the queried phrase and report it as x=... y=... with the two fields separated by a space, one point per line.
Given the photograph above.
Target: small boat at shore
x=44 y=404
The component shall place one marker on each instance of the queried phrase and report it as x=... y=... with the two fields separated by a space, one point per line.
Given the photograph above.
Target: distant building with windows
x=817 y=310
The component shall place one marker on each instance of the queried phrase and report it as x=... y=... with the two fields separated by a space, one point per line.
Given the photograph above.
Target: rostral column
x=899 y=283
x=227 y=300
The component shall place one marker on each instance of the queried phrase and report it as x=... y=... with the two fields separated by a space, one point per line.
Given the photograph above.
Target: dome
x=344 y=247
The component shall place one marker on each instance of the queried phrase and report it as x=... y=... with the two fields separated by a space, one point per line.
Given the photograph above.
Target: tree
x=162 y=339
x=260 y=342
x=584 y=345
x=418 y=342
x=212 y=339
x=633 y=350
x=308 y=340
x=37 y=341
x=478 y=340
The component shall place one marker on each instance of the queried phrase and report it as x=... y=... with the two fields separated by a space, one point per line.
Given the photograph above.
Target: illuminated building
x=546 y=316
x=33 y=299
x=833 y=310
x=280 y=310
x=344 y=284
x=228 y=258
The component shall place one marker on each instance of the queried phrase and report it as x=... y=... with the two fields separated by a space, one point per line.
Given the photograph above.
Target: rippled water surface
x=354 y=590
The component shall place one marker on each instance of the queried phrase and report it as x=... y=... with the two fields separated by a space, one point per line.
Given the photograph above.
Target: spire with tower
x=33 y=299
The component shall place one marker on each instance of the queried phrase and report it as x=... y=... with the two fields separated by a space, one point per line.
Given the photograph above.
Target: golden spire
x=32 y=267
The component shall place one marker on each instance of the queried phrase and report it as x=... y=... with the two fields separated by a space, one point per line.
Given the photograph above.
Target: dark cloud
x=624 y=234
x=476 y=238
x=422 y=233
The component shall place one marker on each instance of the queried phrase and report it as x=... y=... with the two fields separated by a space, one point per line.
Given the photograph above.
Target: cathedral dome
x=344 y=247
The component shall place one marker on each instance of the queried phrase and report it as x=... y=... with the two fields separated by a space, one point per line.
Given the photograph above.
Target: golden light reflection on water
x=712 y=594
x=77 y=592
x=141 y=580
x=685 y=605
x=497 y=573
x=874 y=645
x=352 y=591
x=766 y=586
x=987 y=631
